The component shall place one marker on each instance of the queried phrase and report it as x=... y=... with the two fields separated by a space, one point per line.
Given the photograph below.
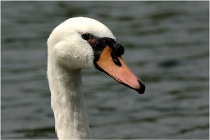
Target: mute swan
x=78 y=43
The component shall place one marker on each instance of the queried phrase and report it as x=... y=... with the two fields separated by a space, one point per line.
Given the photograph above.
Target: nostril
x=115 y=59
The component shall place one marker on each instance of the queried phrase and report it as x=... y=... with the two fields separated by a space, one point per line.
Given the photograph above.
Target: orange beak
x=120 y=73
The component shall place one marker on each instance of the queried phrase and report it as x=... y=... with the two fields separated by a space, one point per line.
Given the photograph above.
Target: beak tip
x=141 y=89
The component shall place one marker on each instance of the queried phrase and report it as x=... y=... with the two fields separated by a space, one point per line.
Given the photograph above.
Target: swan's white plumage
x=67 y=54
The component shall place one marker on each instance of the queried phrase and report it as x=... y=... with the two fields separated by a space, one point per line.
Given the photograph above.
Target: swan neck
x=67 y=102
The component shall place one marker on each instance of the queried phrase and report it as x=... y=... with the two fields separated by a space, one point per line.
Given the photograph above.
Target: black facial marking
x=98 y=44
x=116 y=47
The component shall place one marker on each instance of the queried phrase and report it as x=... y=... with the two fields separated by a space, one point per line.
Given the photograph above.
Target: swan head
x=82 y=42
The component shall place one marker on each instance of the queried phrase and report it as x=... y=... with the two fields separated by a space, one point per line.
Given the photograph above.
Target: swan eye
x=86 y=36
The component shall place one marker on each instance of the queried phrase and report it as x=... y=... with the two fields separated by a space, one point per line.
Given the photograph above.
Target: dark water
x=167 y=46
